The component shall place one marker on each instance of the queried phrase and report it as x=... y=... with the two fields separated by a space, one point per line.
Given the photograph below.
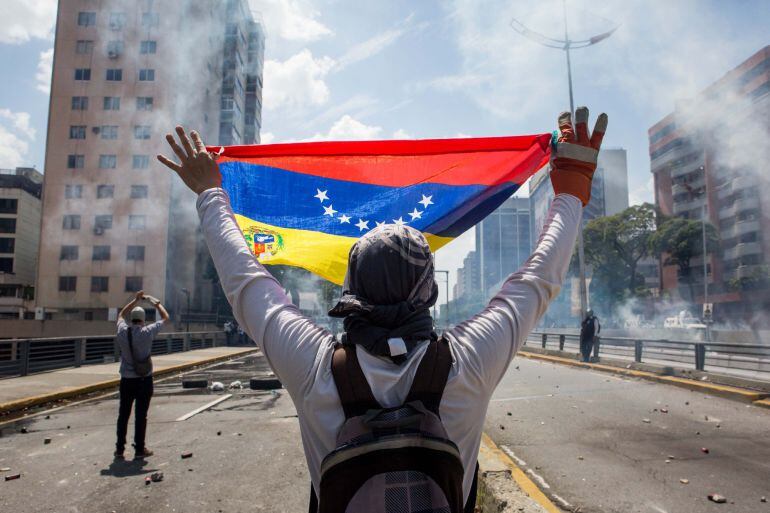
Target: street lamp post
x=566 y=45
x=187 y=293
x=446 y=283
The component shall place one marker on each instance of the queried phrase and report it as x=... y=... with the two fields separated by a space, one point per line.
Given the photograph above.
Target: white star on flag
x=416 y=214
x=362 y=225
x=426 y=200
x=321 y=195
x=399 y=221
x=344 y=219
x=379 y=223
x=329 y=211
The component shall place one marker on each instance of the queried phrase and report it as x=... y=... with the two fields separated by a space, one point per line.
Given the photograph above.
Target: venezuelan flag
x=305 y=204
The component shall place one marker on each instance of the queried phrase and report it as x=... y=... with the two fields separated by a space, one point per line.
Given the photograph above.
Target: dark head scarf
x=388 y=291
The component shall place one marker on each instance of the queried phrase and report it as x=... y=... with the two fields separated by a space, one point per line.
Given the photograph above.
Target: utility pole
x=566 y=45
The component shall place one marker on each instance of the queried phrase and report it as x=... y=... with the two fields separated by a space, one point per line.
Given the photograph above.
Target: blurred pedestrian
x=136 y=384
x=229 y=332
x=588 y=330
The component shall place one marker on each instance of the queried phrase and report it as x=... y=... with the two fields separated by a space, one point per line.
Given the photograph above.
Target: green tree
x=614 y=245
x=678 y=241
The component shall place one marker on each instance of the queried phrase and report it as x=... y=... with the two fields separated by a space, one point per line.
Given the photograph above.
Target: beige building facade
x=125 y=72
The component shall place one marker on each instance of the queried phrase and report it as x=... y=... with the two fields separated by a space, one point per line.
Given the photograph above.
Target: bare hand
x=140 y=295
x=198 y=169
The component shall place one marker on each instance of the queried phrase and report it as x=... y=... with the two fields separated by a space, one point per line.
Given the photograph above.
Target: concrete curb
x=36 y=400
x=504 y=487
x=725 y=391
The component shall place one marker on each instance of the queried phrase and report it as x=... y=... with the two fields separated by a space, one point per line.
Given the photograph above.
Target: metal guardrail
x=744 y=360
x=19 y=357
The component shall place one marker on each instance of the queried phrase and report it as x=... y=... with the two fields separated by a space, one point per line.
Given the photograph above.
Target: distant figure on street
x=135 y=343
x=588 y=330
x=229 y=332
x=391 y=412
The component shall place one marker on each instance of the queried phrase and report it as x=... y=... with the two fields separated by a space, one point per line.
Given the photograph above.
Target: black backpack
x=143 y=368
x=392 y=459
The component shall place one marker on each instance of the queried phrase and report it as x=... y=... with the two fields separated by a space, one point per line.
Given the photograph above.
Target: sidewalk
x=26 y=391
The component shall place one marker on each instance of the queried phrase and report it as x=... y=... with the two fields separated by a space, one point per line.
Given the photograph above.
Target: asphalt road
x=600 y=442
x=255 y=464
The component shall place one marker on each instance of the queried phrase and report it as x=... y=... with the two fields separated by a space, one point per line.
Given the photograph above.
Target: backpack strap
x=431 y=376
x=354 y=391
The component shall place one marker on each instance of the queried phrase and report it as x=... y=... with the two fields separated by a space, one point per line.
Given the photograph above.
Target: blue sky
x=406 y=69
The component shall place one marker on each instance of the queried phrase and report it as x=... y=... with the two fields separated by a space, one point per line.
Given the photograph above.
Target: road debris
x=47 y=417
x=763 y=499
x=5 y=469
x=147 y=480
x=646 y=421
x=684 y=481
x=11 y=477
x=186 y=455
x=23 y=431
x=236 y=384
x=580 y=458
x=510 y=414
x=668 y=461
x=46 y=441
x=219 y=433
x=217 y=386
x=664 y=410
x=502 y=427
x=156 y=477
x=704 y=450
x=715 y=497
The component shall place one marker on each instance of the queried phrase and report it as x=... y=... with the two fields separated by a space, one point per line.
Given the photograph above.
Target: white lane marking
x=204 y=407
x=507 y=450
x=564 y=504
x=537 y=477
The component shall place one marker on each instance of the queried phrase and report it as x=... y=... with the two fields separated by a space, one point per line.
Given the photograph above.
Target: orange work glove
x=573 y=160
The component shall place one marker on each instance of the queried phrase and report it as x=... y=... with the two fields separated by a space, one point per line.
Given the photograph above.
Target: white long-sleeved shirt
x=300 y=352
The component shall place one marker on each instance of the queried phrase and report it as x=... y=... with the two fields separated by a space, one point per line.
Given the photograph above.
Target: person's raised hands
x=198 y=168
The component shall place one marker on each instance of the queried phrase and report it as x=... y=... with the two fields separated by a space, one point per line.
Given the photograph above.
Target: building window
x=133 y=252
x=105 y=191
x=73 y=191
x=9 y=205
x=114 y=49
x=146 y=75
x=8 y=245
x=83 y=74
x=101 y=253
x=137 y=222
x=103 y=222
x=77 y=132
x=7 y=225
x=227 y=103
x=100 y=283
x=71 y=222
x=144 y=103
x=86 y=19
x=133 y=283
x=80 y=103
x=76 y=161
x=84 y=46
x=114 y=74
x=6 y=265
x=140 y=161
x=68 y=253
x=148 y=47
x=117 y=20
x=109 y=132
x=112 y=103
x=67 y=283
x=138 y=191
x=108 y=161
x=141 y=132
x=150 y=19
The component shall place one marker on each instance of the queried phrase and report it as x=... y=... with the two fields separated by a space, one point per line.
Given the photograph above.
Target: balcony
x=742 y=249
x=736 y=184
x=739 y=228
x=747 y=271
x=738 y=205
x=686 y=206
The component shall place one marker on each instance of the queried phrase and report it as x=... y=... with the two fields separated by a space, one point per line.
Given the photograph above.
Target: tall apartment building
x=468 y=276
x=124 y=73
x=20 y=191
x=710 y=156
x=503 y=243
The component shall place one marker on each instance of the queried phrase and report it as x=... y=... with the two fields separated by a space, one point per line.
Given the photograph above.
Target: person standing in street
x=588 y=330
x=135 y=341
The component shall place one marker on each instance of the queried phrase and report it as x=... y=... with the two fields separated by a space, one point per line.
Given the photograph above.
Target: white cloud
x=24 y=20
x=266 y=137
x=296 y=82
x=370 y=47
x=294 y=20
x=358 y=106
x=348 y=128
x=402 y=134
x=44 y=70
x=644 y=193
x=15 y=136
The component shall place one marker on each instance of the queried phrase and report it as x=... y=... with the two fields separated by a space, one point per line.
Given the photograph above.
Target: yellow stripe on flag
x=320 y=253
